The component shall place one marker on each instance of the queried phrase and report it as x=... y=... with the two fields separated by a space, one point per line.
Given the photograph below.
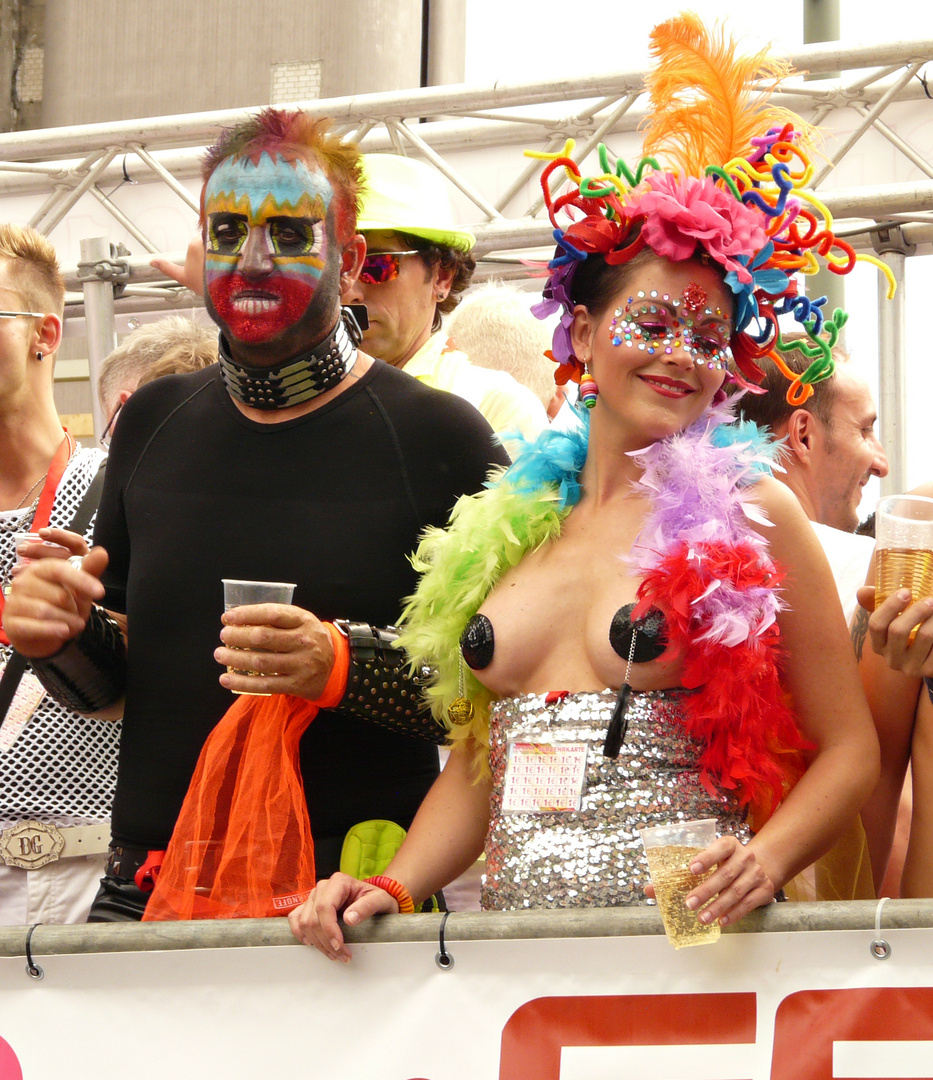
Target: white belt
x=31 y=845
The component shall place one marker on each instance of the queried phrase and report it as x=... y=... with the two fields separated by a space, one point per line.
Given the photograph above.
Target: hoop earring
x=589 y=391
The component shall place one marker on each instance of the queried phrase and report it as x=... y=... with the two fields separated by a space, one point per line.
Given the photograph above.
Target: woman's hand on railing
x=316 y=922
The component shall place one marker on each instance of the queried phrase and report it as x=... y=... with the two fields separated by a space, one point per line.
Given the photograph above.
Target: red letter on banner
x=533 y=1037
x=809 y=1022
x=9 y=1063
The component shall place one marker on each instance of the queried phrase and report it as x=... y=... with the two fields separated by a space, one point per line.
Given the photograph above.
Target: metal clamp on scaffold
x=116 y=269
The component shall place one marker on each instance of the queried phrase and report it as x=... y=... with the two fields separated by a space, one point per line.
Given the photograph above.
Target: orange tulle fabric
x=242 y=845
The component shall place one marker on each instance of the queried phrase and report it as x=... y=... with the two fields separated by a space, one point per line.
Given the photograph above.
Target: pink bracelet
x=396 y=890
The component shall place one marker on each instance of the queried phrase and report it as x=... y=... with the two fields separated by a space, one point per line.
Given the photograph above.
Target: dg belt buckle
x=31 y=845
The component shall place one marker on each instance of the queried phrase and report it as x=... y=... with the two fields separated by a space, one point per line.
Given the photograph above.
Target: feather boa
x=700 y=561
x=711 y=574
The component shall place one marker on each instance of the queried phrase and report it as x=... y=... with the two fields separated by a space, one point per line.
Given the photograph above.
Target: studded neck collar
x=301 y=378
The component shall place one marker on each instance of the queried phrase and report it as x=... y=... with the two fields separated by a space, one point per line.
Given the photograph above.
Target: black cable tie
x=32 y=968
x=443 y=959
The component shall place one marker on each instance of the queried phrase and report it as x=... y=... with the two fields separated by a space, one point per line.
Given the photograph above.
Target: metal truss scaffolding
x=454 y=127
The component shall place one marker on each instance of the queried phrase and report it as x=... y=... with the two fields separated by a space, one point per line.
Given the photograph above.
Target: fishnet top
x=62 y=765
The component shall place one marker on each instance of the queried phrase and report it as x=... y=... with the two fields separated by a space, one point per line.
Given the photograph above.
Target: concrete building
x=68 y=63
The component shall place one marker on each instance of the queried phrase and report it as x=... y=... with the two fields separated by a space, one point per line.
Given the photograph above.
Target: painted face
x=658 y=323
x=658 y=351
x=267 y=246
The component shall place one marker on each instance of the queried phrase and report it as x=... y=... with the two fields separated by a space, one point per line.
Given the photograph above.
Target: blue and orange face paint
x=266 y=242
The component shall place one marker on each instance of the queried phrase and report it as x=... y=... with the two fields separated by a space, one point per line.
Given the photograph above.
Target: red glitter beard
x=294 y=295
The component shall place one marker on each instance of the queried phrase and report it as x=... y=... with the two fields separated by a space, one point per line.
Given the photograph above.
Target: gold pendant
x=460 y=711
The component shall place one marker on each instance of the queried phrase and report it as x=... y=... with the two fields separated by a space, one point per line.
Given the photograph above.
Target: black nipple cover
x=651 y=638
x=477 y=643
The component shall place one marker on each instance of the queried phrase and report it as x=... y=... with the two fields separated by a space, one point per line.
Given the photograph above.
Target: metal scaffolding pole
x=892 y=370
x=97 y=272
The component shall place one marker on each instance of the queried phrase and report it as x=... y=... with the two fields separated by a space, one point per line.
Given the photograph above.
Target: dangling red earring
x=589 y=391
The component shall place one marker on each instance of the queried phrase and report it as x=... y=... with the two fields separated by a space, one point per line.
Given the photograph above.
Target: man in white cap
x=417 y=265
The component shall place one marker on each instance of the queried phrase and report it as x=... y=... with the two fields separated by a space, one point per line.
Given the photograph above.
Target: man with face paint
x=417 y=266
x=298 y=458
x=267 y=270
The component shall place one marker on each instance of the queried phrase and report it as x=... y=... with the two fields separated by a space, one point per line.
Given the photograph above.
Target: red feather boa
x=740 y=715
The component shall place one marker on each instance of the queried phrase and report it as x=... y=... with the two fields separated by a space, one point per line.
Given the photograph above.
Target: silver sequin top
x=593 y=856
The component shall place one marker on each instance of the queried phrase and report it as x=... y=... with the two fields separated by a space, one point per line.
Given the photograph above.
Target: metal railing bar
x=50 y=940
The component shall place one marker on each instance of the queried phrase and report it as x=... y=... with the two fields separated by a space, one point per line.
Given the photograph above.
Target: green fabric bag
x=369 y=847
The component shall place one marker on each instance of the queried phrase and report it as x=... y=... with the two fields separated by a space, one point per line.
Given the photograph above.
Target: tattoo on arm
x=859 y=631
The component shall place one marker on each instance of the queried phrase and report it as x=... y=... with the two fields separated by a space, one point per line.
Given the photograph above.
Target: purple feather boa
x=699 y=482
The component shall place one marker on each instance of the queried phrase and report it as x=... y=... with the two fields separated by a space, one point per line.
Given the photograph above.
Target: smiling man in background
x=832 y=452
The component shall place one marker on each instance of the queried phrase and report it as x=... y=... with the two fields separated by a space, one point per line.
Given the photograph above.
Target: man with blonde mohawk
x=57 y=768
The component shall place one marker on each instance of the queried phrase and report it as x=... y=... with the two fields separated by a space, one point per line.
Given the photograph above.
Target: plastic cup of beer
x=239 y=593
x=904 y=547
x=670 y=850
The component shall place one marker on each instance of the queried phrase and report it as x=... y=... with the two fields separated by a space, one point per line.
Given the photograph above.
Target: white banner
x=801 y=1006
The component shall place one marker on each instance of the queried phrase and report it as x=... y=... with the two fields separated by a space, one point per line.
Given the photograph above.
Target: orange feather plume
x=702 y=109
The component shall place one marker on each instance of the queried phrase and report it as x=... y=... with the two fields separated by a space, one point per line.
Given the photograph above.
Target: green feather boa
x=488 y=534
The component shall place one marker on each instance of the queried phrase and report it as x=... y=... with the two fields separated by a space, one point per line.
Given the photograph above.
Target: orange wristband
x=336 y=685
x=396 y=890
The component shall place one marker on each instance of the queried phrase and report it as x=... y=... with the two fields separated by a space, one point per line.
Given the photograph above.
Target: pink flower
x=681 y=212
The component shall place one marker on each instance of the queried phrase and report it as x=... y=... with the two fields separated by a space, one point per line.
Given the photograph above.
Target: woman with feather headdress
x=647 y=551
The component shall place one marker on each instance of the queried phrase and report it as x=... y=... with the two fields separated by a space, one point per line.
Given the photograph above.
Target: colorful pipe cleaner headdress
x=736 y=190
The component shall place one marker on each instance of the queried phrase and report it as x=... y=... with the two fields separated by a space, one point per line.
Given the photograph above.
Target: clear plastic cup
x=670 y=849
x=25 y=538
x=240 y=593
x=904 y=547
x=18 y=560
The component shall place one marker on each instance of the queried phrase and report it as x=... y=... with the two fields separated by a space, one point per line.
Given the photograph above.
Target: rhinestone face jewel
x=675 y=323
